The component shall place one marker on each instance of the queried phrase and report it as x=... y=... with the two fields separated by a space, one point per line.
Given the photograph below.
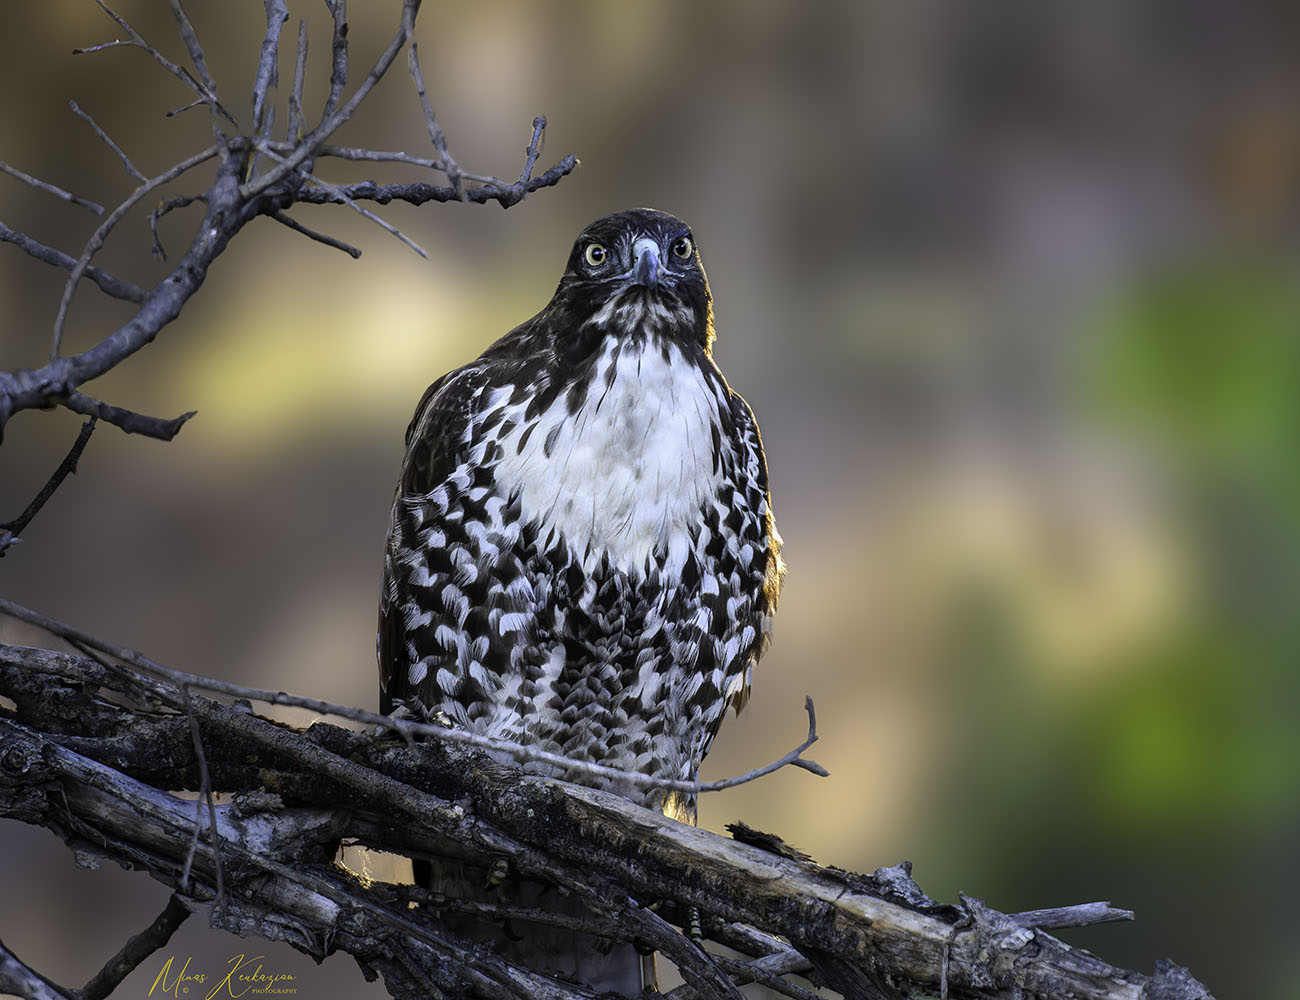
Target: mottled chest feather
x=630 y=469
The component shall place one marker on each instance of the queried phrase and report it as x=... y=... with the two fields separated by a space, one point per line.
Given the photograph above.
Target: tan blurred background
x=1012 y=289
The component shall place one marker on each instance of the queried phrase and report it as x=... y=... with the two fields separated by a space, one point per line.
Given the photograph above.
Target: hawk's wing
x=435 y=442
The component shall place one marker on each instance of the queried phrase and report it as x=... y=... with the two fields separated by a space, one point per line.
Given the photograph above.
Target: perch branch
x=407 y=727
x=432 y=798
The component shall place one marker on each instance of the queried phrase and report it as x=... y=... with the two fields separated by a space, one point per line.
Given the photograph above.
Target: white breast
x=630 y=471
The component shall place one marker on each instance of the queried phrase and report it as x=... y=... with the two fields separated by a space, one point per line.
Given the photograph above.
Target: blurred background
x=1012 y=289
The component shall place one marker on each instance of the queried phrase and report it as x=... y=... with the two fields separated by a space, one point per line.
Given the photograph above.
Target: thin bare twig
x=337 y=194
x=338 y=56
x=96 y=240
x=111 y=285
x=127 y=420
x=287 y=220
x=436 y=135
x=11 y=530
x=107 y=140
x=307 y=148
x=137 y=40
x=295 y=95
x=58 y=192
x=1079 y=915
x=171 y=204
x=205 y=798
x=520 y=752
x=191 y=39
x=268 y=66
x=136 y=950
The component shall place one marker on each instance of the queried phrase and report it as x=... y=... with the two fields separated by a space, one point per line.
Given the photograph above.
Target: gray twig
x=107 y=140
x=137 y=40
x=286 y=220
x=127 y=420
x=205 y=798
x=436 y=136
x=111 y=285
x=11 y=531
x=58 y=192
x=96 y=240
x=338 y=56
x=1079 y=915
x=295 y=95
x=170 y=205
x=268 y=74
x=307 y=148
x=136 y=950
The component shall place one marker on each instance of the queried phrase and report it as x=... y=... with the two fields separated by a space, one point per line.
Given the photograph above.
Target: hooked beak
x=645 y=263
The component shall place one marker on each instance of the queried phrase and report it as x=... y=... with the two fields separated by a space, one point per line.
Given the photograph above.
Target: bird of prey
x=582 y=555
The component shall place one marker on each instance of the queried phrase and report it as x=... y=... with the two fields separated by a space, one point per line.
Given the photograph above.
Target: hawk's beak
x=645 y=263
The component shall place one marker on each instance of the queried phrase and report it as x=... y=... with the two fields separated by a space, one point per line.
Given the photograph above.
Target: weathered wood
x=101 y=774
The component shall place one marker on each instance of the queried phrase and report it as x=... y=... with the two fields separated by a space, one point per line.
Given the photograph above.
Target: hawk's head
x=637 y=274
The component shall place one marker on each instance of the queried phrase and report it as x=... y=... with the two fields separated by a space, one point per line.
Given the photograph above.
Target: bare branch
x=436 y=136
x=136 y=40
x=136 y=950
x=58 y=192
x=195 y=50
x=338 y=195
x=520 y=752
x=794 y=758
x=96 y=240
x=205 y=798
x=103 y=757
x=307 y=148
x=18 y=979
x=1080 y=915
x=127 y=420
x=419 y=193
x=170 y=205
x=311 y=234
x=295 y=95
x=11 y=530
x=268 y=72
x=338 y=56
x=104 y=136
x=111 y=285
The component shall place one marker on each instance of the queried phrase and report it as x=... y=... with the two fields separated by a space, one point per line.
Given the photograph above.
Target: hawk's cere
x=582 y=554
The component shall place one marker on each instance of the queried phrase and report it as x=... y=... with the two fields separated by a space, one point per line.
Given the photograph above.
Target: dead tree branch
x=94 y=750
x=237 y=193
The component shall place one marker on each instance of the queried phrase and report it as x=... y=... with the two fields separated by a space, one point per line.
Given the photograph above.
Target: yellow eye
x=683 y=247
x=595 y=254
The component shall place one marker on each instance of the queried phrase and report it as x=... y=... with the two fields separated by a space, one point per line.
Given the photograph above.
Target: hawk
x=582 y=555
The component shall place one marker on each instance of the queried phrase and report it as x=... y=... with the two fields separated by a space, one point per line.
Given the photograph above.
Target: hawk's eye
x=595 y=254
x=683 y=248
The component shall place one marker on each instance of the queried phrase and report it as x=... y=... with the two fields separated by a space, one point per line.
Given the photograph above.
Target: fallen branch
x=94 y=750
